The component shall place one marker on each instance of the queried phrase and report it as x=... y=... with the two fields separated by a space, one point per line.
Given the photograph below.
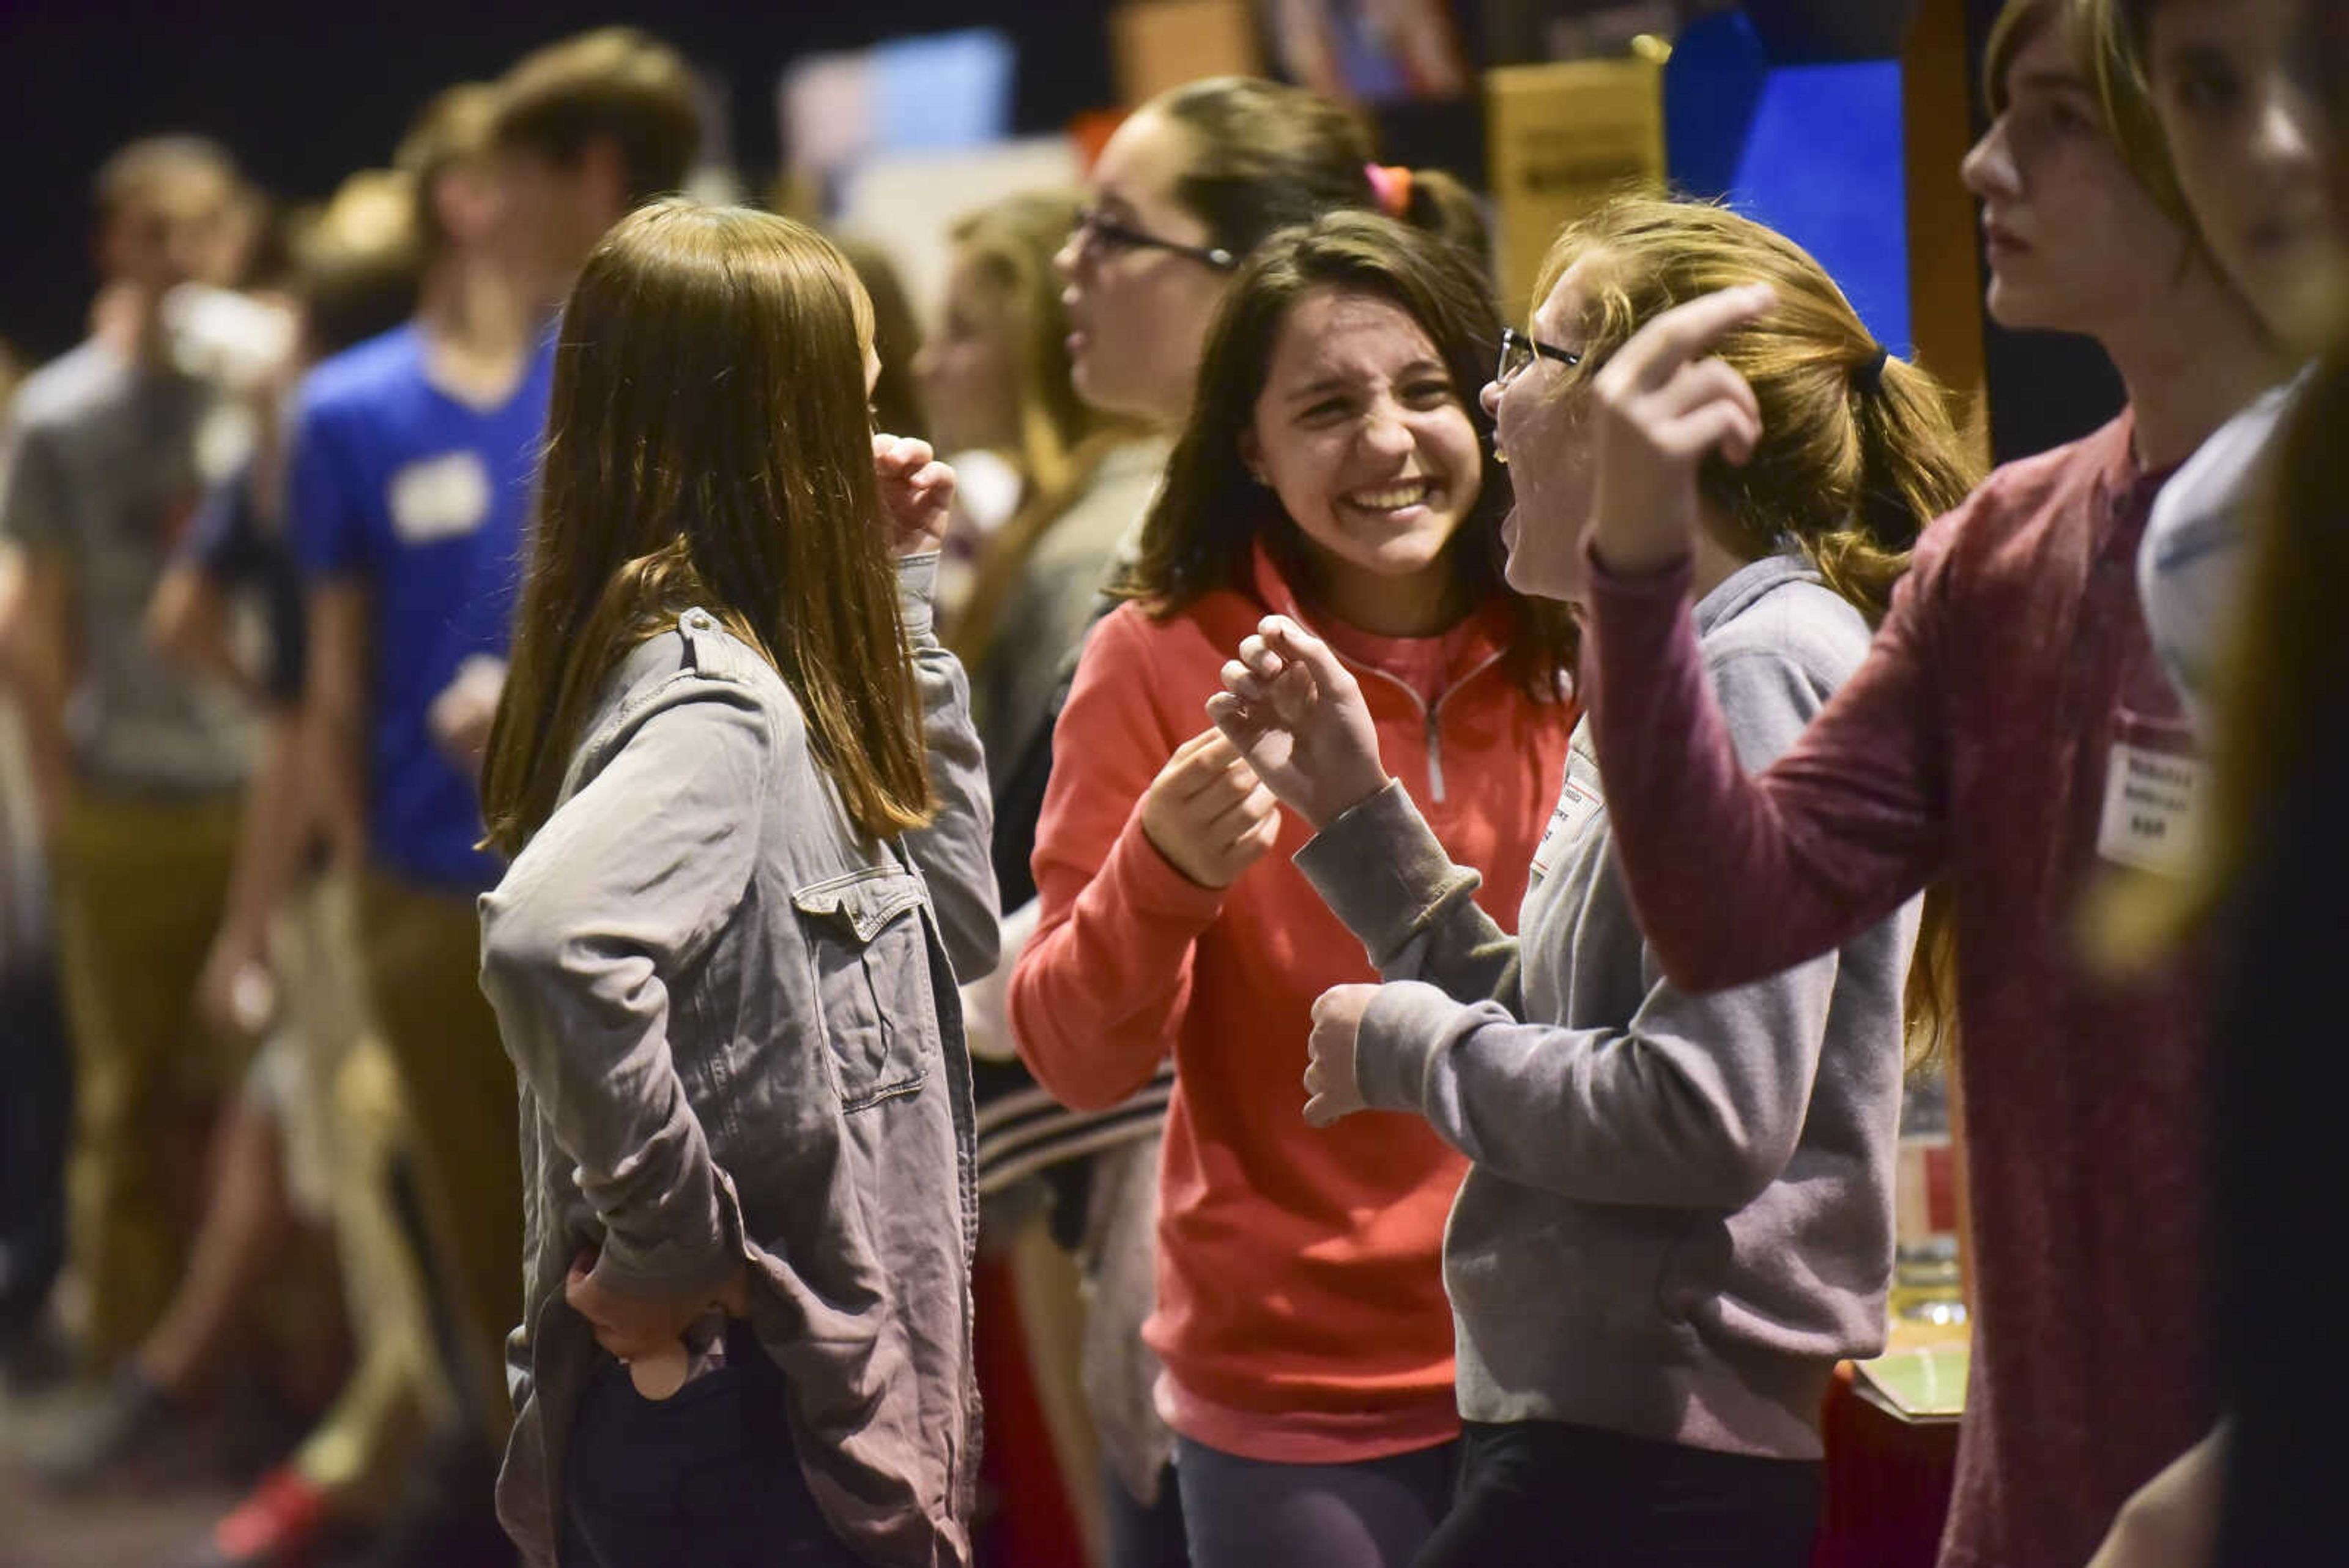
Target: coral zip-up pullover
x=1302 y=1314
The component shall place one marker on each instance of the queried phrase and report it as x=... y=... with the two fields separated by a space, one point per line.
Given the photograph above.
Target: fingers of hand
x=1284 y=636
x=1679 y=335
x=900 y=457
x=1243 y=683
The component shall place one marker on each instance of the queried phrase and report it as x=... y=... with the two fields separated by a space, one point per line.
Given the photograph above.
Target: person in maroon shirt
x=2011 y=735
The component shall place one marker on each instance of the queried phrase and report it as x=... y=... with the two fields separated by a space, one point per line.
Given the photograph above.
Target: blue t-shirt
x=423 y=500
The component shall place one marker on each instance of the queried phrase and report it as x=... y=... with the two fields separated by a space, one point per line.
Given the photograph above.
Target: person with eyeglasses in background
x=1190 y=185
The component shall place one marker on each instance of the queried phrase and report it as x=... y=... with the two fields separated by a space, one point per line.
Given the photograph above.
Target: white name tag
x=439 y=498
x=2151 y=798
x=1577 y=805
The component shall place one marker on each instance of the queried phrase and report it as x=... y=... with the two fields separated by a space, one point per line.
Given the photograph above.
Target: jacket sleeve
x=1381 y=870
x=623 y=887
x=1098 y=995
x=1736 y=875
x=1697 y=1102
x=953 y=852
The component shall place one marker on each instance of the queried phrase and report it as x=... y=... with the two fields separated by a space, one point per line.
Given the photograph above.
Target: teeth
x=1393 y=498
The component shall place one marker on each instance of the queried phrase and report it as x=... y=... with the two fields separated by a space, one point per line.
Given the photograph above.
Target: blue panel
x=948 y=90
x=1712 y=84
x=1823 y=165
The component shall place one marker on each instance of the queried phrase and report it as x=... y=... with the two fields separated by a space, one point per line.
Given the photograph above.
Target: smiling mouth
x=1392 y=497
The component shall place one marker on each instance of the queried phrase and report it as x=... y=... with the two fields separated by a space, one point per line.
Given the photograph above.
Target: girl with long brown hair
x=748 y=826
x=1331 y=470
x=1679 y=1218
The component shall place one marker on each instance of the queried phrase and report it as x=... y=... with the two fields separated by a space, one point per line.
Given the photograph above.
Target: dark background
x=304 y=94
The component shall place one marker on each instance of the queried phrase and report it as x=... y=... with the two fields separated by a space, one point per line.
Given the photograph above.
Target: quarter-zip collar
x=1471 y=648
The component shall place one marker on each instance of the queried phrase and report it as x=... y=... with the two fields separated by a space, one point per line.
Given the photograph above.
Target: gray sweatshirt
x=1680 y=1216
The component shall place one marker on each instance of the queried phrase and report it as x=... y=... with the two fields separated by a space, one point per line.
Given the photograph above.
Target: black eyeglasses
x=1095 y=228
x=1517 y=351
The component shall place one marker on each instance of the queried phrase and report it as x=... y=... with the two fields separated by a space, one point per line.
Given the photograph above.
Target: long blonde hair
x=1859 y=451
x=708 y=443
x=1062 y=439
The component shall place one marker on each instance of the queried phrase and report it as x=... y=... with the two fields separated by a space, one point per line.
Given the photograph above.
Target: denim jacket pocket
x=869 y=947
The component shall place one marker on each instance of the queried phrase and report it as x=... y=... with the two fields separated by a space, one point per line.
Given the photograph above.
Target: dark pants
x=1253 y=1513
x=1145 y=1537
x=36 y=1112
x=707 y=1476
x=1544 y=1494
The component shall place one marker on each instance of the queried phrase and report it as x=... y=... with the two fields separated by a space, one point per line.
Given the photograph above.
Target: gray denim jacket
x=739 y=1040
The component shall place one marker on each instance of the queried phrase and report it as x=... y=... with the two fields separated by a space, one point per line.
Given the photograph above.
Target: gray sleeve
x=955 y=852
x=1381 y=869
x=34 y=509
x=1696 y=1101
x=623 y=886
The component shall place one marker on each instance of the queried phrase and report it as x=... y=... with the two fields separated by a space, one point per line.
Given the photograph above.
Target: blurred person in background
x=35 y=1076
x=136 y=766
x=994 y=378
x=409 y=494
x=2242 y=570
x=313 y=1138
x=2234 y=142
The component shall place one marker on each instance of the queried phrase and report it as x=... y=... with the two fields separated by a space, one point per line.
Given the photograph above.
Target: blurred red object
x=1887 y=1484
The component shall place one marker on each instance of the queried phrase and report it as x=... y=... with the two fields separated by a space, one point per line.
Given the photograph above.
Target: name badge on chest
x=2153 y=797
x=1577 y=805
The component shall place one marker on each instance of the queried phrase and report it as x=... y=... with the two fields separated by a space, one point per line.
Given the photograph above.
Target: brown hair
x=2108 y=41
x=616 y=83
x=1268 y=156
x=1062 y=438
x=707 y=444
x=1202 y=529
x=1858 y=452
x=135 y=166
x=896 y=338
x=355 y=265
x=451 y=132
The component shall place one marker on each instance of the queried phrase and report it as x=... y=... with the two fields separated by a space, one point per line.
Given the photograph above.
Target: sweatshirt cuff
x=1381 y=870
x=917 y=581
x=1407 y=1024
x=1670 y=582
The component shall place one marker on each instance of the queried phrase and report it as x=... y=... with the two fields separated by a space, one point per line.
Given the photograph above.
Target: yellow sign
x=1563 y=137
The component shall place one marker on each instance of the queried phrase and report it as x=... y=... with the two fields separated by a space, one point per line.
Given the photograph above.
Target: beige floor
x=121 y=1527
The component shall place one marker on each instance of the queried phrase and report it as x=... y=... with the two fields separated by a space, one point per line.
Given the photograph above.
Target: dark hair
x=615 y=83
x=1201 y=531
x=896 y=338
x=1271 y=157
x=707 y=443
x=356 y=267
x=449 y=132
x=136 y=166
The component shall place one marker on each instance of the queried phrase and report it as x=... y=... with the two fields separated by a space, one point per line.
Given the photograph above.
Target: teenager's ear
x=1252 y=453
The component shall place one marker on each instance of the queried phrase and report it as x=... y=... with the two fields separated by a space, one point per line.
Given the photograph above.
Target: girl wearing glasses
x=1191 y=183
x=1331 y=470
x=1679 y=1213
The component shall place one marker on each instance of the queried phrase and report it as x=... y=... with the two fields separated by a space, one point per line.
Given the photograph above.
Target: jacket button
x=700 y=620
